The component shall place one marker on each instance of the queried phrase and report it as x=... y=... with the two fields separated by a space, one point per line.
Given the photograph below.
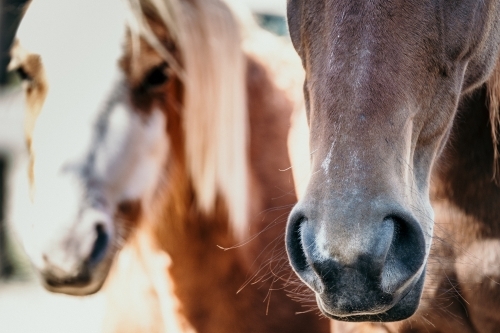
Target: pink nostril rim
x=100 y=245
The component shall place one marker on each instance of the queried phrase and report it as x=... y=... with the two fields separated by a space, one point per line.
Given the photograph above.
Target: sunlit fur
x=283 y=67
x=214 y=109
x=493 y=85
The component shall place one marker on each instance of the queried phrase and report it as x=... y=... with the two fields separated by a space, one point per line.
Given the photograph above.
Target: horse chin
x=74 y=289
x=402 y=309
x=83 y=284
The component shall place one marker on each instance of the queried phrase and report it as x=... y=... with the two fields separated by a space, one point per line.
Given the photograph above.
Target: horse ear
x=294 y=16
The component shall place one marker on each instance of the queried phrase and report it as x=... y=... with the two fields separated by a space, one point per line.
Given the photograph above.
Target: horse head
x=383 y=81
x=119 y=121
x=95 y=157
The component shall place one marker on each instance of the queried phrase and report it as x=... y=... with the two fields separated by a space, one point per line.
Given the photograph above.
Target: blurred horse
x=403 y=107
x=160 y=127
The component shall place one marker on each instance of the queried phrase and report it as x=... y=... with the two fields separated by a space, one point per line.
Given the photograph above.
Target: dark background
x=10 y=14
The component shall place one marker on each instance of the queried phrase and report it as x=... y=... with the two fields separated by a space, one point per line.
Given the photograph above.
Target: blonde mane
x=215 y=118
x=493 y=87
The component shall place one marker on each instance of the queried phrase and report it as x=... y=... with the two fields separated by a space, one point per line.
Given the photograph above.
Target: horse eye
x=23 y=74
x=156 y=77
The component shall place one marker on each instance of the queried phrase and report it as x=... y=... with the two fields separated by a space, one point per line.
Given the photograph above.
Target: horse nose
x=375 y=259
x=100 y=245
x=77 y=253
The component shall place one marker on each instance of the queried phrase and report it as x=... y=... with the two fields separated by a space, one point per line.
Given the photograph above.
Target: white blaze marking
x=325 y=165
x=80 y=44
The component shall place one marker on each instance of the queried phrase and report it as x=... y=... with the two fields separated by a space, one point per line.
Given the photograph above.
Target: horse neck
x=206 y=278
x=463 y=177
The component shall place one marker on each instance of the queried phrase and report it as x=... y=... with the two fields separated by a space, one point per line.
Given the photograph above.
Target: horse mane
x=215 y=117
x=493 y=88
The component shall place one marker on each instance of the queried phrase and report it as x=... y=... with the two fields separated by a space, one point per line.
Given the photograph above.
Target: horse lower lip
x=322 y=307
x=73 y=282
x=362 y=315
x=74 y=288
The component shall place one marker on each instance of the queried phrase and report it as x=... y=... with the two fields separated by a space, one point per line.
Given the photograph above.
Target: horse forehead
x=78 y=36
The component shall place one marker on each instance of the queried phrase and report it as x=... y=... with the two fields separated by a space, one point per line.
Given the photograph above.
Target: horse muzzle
x=362 y=267
x=77 y=261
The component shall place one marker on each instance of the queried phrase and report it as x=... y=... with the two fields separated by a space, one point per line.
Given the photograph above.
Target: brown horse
x=158 y=129
x=403 y=108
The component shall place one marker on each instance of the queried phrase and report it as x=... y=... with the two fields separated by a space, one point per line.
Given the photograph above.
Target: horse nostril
x=406 y=254
x=100 y=245
x=294 y=245
x=296 y=241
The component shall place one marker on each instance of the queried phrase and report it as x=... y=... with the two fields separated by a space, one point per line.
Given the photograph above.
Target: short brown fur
x=403 y=108
x=205 y=277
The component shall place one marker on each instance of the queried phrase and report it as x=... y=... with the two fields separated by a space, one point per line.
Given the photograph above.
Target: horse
x=399 y=219
x=157 y=134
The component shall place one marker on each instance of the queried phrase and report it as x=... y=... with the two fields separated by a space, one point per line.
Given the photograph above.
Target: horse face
x=383 y=80
x=94 y=159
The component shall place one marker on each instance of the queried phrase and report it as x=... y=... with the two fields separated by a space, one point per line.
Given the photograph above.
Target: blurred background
x=25 y=306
